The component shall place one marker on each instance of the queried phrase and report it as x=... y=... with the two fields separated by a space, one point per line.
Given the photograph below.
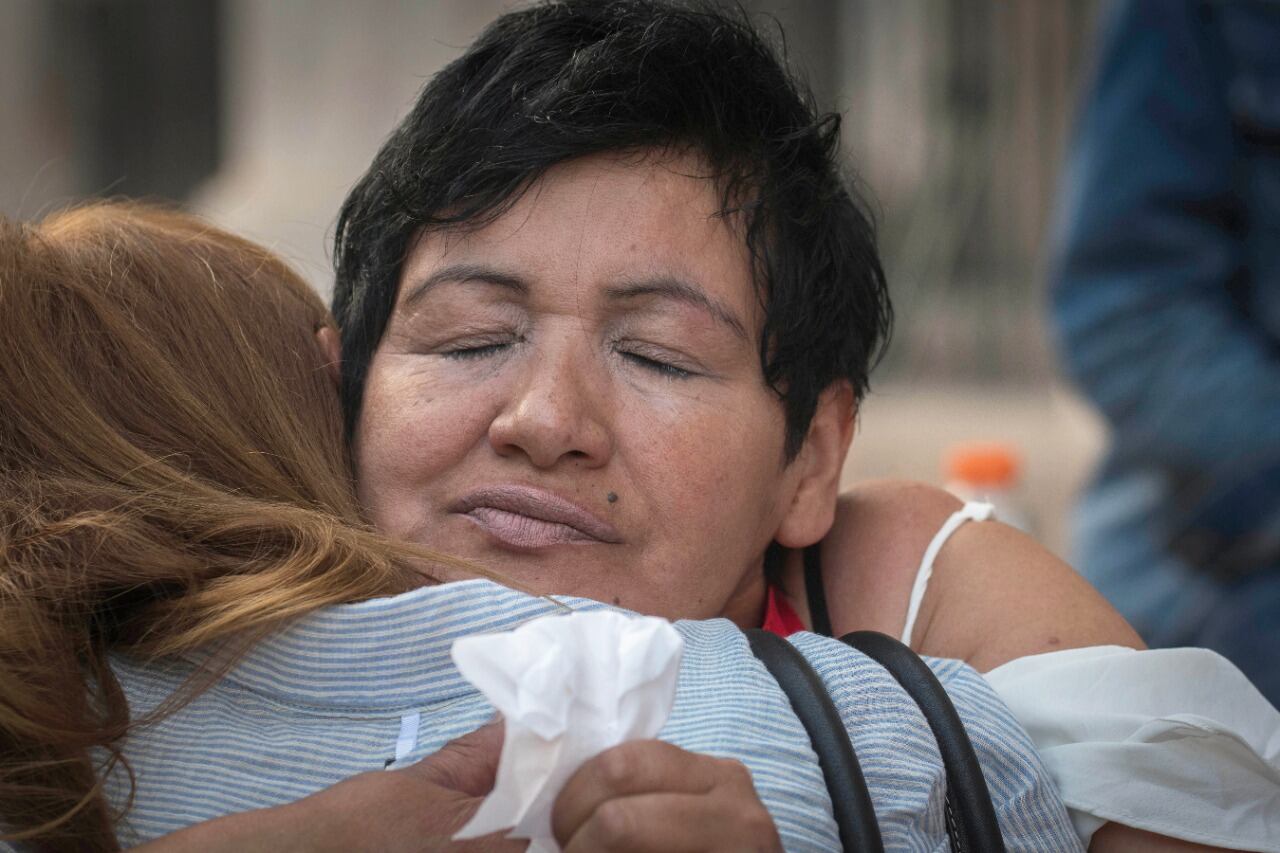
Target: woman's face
x=572 y=396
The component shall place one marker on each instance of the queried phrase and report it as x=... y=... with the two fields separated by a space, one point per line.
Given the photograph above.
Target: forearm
x=1118 y=838
x=416 y=809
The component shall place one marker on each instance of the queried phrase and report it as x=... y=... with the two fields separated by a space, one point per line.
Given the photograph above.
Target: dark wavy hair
x=570 y=78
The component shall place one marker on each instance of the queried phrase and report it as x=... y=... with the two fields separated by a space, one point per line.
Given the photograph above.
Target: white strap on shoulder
x=971 y=511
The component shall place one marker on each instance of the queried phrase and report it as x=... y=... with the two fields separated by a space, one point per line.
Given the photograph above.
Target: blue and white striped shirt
x=328 y=697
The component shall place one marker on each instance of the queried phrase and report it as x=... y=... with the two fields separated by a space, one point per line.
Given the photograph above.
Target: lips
x=526 y=517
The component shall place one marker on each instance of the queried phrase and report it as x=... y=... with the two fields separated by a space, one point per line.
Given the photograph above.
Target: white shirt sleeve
x=1173 y=741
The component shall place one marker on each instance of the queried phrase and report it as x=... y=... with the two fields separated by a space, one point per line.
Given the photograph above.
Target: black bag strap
x=971 y=818
x=850 y=799
x=815 y=592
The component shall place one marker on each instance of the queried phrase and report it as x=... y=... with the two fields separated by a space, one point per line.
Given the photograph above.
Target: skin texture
x=550 y=350
x=1114 y=838
x=652 y=796
x=986 y=572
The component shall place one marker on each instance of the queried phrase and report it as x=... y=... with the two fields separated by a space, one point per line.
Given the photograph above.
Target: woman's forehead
x=599 y=225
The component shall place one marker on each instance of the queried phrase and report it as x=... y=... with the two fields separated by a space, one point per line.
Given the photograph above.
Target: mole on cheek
x=612 y=497
x=616 y=600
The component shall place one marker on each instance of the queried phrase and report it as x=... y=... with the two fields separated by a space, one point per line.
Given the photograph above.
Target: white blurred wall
x=312 y=89
x=35 y=169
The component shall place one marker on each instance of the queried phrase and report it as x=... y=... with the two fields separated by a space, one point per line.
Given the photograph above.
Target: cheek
x=717 y=469
x=716 y=484
x=411 y=433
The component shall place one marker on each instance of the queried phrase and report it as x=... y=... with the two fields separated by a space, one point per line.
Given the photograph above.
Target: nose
x=559 y=411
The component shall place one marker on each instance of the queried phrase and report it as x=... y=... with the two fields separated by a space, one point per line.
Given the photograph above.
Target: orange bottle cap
x=983 y=464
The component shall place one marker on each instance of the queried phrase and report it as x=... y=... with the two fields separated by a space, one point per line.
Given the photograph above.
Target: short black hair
x=570 y=78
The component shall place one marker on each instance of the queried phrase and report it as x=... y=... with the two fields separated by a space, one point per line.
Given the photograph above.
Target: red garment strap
x=779 y=617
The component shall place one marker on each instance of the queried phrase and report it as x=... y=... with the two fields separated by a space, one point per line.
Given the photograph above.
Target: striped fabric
x=328 y=697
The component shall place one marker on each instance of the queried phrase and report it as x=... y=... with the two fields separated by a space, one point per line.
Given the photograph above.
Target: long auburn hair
x=173 y=475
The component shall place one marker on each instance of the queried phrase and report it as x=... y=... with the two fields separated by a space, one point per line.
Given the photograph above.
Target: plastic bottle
x=988 y=472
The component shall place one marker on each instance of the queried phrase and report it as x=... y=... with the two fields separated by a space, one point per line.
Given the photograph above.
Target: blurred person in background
x=1166 y=300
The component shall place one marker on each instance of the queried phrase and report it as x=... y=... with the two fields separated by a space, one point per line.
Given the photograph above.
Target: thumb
x=467 y=764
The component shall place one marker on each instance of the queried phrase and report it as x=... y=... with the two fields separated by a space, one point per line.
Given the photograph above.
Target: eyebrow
x=463 y=273
x=669 y=287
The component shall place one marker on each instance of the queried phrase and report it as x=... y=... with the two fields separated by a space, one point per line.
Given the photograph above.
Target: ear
x=331 y=346
x=812 y=510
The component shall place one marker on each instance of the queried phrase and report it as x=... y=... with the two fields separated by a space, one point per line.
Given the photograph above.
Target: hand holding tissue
x=568 y=687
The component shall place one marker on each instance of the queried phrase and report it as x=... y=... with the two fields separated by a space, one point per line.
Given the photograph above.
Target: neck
x=745 y=607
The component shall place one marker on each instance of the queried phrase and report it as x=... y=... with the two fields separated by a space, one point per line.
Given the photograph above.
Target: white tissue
x=568 y=688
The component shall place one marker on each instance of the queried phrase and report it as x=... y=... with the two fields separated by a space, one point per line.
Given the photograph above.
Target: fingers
x=637 y=767
x=467 y=764
x=649 y=795
x=675 y=823
x=448 y=788
x=495 y=843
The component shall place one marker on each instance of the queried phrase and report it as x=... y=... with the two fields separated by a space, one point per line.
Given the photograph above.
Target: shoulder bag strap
x=971 y=817
x=815 y=592
x=850 y=799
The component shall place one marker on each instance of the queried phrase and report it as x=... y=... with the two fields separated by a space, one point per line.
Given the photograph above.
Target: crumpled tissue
x=568 y=687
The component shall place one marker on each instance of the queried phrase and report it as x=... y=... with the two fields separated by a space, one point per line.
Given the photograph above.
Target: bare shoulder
x=870 y=557
x=996 y=594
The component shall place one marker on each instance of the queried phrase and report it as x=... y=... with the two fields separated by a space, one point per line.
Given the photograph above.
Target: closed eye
x=661 y=368
x=473 y=352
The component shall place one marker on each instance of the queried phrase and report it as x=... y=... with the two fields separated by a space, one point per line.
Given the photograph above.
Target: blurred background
x=261 y=113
